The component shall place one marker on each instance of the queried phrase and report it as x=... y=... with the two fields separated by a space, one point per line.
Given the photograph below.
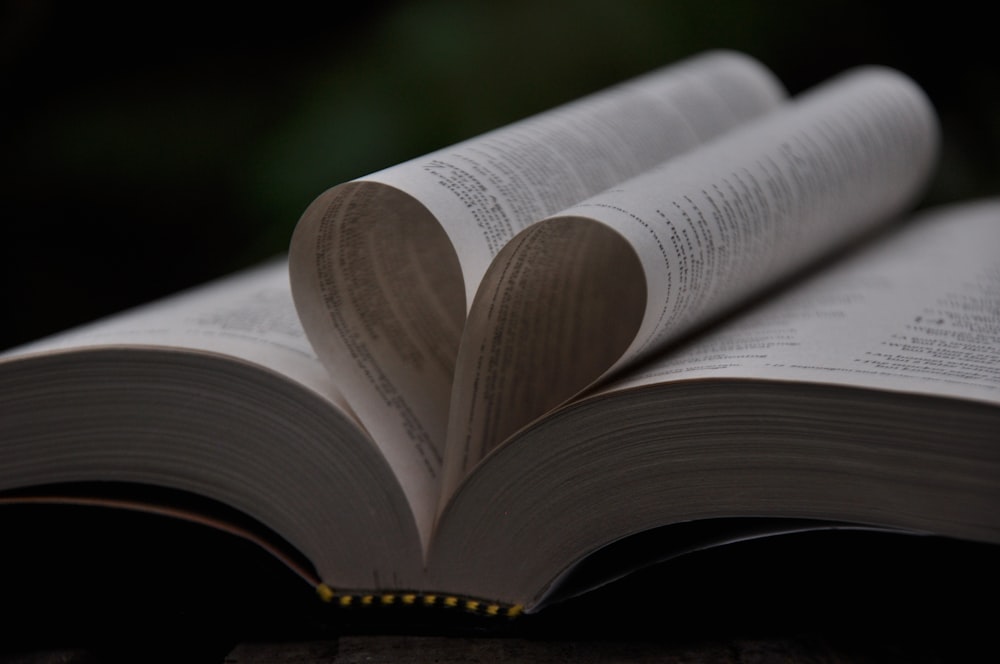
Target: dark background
x=147 y=147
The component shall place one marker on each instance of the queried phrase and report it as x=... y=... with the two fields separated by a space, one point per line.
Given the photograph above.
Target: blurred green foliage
x=151 y=146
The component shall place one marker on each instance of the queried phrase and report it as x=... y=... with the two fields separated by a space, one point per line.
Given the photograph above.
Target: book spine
x=362 y=599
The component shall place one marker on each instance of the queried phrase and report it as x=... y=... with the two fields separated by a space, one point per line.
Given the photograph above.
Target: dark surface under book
x=115 y=584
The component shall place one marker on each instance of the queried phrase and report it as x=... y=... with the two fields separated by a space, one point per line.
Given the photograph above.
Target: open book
x=683 y=299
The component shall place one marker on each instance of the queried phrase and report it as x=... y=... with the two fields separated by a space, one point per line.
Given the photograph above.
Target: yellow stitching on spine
x=327 y=594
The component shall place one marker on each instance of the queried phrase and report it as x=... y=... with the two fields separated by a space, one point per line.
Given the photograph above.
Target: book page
x=383 y=268
x=214 y=391
x=919 y=312
x=866 y=394
x=631 y=269
x=249 y=315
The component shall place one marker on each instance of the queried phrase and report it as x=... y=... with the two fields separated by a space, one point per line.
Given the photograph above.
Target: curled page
x=633 y=268
x=383 y=268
